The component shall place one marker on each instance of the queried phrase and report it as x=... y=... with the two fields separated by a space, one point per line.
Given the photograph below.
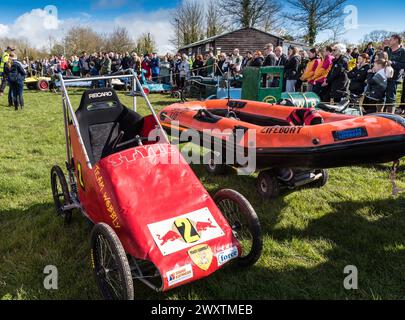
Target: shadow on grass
x=374 y=243
x=367 y=234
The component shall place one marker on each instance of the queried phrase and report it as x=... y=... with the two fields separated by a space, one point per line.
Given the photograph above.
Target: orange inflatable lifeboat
x=294 y=138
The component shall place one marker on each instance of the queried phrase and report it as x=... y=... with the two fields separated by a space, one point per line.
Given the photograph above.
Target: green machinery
x=266 y=84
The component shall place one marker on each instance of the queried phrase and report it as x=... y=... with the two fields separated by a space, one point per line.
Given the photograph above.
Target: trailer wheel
x=43 y=85
x=321 y=182
x=60 y=193
x=268 y=185
x=213 y=163
x=244 y=222
x=110 y=264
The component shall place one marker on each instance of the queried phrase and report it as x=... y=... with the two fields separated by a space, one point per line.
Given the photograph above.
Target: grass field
x=309 y=235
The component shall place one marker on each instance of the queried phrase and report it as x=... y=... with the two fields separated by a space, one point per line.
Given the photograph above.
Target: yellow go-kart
x=38 y=83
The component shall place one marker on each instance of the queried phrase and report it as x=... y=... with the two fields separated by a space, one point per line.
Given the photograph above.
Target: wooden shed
x=245 y=39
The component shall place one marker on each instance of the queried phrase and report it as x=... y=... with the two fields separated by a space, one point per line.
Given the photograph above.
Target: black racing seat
x=103 y=120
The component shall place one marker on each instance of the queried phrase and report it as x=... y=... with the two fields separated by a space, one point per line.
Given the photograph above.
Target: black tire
x=321 y=182
x=31 y=86
x=60 y=194
x=268 y=185
x=244 y=222
x=214 y=163
x=110 y=264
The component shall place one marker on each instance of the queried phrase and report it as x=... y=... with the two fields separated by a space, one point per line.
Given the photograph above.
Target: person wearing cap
x=16 y=76
x=4 y=60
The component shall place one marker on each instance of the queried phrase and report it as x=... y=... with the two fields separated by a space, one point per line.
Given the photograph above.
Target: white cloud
x=156 y=23
x=39 y=25
x=4 y=30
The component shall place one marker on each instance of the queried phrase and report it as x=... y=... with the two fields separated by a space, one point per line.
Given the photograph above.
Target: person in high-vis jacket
x=4 y=59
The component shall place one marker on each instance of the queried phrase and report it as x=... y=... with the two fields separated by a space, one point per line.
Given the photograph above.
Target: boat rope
x=394 y=172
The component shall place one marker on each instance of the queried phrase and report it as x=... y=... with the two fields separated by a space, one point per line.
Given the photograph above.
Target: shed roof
x=208 y=40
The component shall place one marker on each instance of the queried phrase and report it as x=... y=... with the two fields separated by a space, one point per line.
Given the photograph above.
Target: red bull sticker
x=182 y=232
x=179 y=275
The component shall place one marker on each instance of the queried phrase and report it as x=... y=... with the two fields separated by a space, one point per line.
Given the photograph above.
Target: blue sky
x=141 y=16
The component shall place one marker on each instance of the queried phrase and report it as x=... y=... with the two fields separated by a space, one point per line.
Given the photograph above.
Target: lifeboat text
x=281 y=130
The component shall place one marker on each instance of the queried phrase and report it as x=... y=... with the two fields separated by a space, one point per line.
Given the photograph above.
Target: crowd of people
x=331 y=72
x=335 y=71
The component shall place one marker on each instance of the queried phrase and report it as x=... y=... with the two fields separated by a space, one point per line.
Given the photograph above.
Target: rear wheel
x=43 y=85
x=31 y=86
x=244 y=223
x=321 y=182
x=110 y=264
x=268 y=185
x=60 y=193
x=213 y=163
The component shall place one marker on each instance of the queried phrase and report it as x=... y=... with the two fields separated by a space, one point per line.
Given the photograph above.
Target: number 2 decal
x=187 y=230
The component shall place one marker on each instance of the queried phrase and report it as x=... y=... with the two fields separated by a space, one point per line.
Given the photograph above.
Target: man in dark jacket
x=396 y=54
x=127 y=61
x=271 y=58
x=115 y=62
x=337 y=78
x=291 y=69
x=281 y=57
x=84 y=66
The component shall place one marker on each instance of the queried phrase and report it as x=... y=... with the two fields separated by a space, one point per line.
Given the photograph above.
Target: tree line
x=194 y=20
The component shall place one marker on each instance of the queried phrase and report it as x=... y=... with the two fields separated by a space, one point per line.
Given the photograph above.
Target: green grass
x=309 y=235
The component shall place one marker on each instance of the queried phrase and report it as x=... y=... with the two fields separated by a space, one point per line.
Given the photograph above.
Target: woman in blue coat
x=16 y=76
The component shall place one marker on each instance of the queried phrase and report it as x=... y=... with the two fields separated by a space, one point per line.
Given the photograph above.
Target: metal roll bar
x=68 y=108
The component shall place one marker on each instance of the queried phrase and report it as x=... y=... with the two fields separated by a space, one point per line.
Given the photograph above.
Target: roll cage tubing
x=68 y=109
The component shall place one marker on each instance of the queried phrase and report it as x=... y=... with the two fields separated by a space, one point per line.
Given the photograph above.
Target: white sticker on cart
x=227 y=255
x=185 y=231
x=179 y=275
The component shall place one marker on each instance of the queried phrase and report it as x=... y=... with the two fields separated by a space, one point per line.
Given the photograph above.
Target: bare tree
x=145 y=44
x=314 y=16
x=251 y=13
x=188 y=22
x=377 y=36
x=214 y=20
x=80 y=39
x=119 y=41
x=23 y=47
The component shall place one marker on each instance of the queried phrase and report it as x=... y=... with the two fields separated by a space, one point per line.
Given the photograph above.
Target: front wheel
x=110 y=264
x=60 y=194
x=244 y=223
